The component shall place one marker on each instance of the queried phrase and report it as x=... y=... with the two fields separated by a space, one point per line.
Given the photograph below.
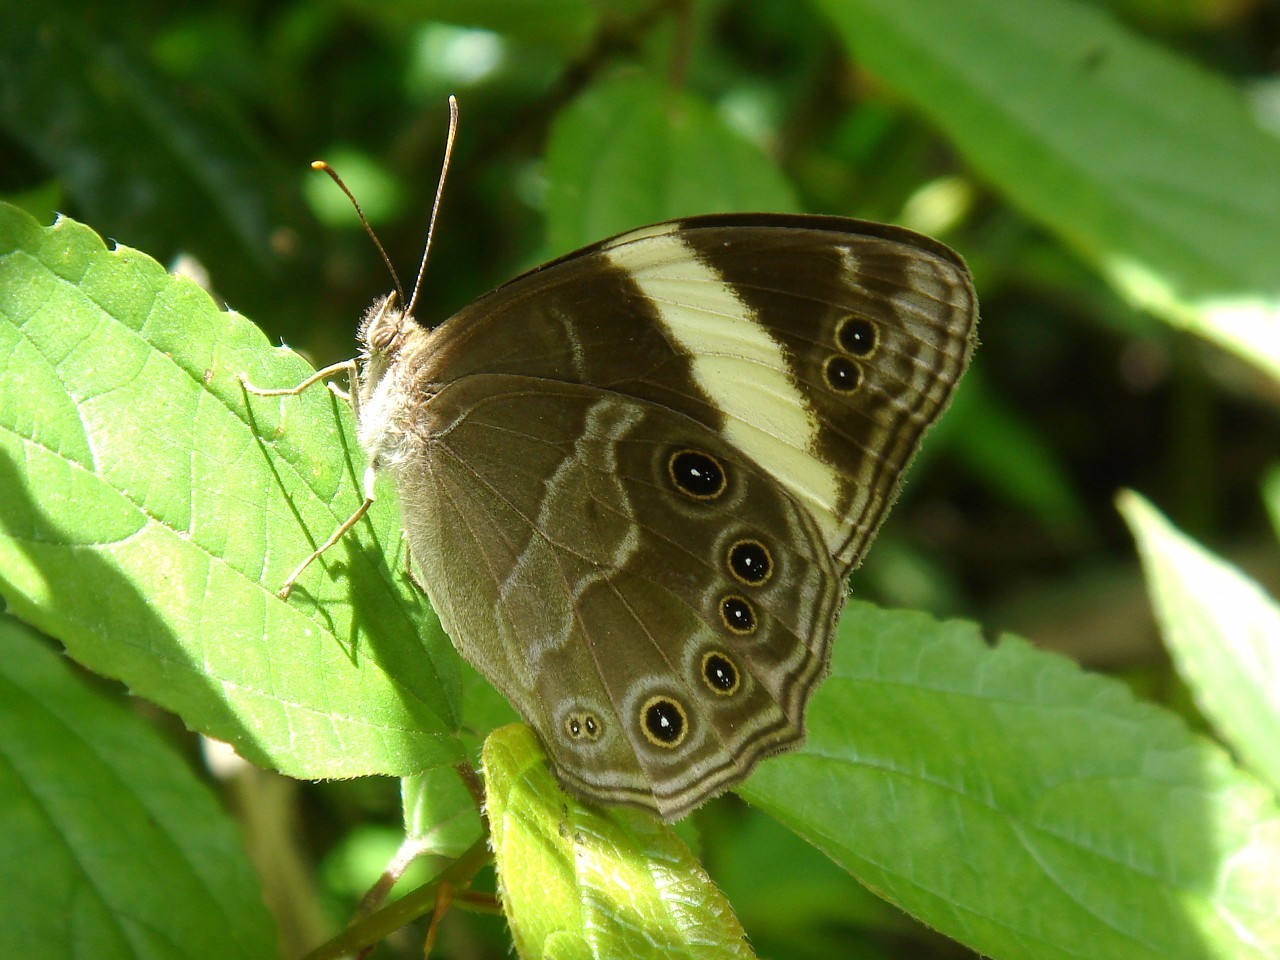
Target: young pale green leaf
x=1222 y=630
x=152 y=509
x=631 y=151
x=580 y=881
x=1023 y=807
x=1154 y=169
x=109 y=847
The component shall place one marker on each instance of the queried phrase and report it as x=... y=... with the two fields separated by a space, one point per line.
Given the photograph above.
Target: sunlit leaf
x=152 y=509
x=1024 y=807
x=1154 y=169
x=1222 y=630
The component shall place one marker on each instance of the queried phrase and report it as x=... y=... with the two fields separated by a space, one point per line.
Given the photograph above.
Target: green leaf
x=109 y=847
x=630 y=151
x=151 y=512
x=1222 y=630
x=1023 y=807
x=440 y=815
x=1155 y=170
x=586 y=882
x=1271 y=496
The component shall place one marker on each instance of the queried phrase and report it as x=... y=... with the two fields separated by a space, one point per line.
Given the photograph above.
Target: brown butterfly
x=634 y=479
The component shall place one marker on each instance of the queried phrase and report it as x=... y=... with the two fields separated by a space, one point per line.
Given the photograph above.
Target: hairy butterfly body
x=634 y=479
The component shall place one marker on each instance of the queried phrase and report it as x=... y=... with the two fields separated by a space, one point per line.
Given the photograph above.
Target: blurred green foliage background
x=186 y=130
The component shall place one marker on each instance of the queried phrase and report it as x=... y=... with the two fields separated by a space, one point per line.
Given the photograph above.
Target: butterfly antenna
x=395 y=278
x=435 y=206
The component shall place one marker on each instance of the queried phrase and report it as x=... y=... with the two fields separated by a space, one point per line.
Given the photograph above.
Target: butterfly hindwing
x=656 y=606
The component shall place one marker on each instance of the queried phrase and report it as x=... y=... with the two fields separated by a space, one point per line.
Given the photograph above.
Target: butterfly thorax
x=394 y=347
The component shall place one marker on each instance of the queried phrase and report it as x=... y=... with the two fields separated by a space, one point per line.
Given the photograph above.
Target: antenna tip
x=319 y=165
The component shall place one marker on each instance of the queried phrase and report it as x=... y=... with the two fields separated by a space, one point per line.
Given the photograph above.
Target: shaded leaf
x=998 y=444
x=440 y=815
x=794 y=900
x=1271 y=497
x=561 y=24
x=630 y=151
x=145 y=161
x=109 y=846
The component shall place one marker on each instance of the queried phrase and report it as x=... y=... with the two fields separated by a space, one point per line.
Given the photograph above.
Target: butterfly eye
x=696 y=474
x=843 y=375
x=857 y=336
x=750 y=562
x=664 y=722
x=738 y=615
x=719 y=673
x=383 y=339
x=381 y=327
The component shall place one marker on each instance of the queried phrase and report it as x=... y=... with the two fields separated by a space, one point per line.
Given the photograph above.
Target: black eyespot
x=583 y=726
x=664 y=721
x=696 y=474
x=857 y=336
x=843 y=374
x=738 y=614
x=750 y=562
x=719 y=673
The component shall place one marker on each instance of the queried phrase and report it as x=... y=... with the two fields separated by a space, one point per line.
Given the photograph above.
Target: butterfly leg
x=352 y=371
x=347 y=367
x=369 y=477
x=408 y=565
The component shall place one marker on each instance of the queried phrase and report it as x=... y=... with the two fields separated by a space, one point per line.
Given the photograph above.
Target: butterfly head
x=387 y=334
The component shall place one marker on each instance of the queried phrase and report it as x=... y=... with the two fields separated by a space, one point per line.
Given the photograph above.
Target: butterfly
x=633 y=480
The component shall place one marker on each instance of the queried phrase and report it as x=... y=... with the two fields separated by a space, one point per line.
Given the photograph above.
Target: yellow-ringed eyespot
x=664 y=721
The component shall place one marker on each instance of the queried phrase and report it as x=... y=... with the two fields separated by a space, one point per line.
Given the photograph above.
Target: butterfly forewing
x=821 y=347
x=873 y=331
